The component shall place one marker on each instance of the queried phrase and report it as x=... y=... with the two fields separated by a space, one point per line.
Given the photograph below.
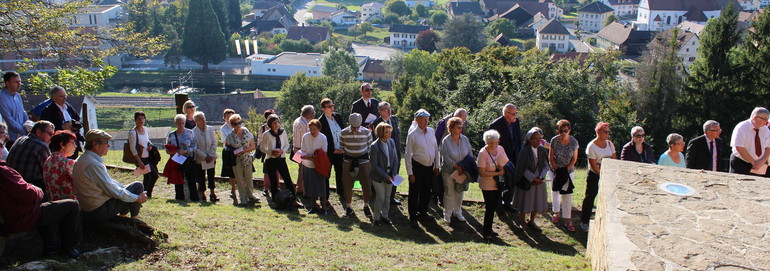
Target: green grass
x=374 y=37
x=122 y=118
x=570 y=15
x=127 y=94
x=219 y=236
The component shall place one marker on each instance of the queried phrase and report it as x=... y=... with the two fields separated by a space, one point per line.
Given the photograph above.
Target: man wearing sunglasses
x=29 y=152
x=703 y=152
x=366 y=106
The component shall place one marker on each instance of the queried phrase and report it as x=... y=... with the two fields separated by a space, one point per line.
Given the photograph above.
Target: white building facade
x=660 y=15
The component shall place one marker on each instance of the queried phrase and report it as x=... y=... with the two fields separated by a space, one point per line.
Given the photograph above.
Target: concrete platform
x=724 y=225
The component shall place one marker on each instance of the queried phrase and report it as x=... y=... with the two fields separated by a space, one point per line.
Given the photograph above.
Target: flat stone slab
x=724 y=225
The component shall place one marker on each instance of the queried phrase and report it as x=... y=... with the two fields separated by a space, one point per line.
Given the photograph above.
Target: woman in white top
x=599 y=148
x=315 y=184
x=275 y=145
x=227 y=164
x=138 y=136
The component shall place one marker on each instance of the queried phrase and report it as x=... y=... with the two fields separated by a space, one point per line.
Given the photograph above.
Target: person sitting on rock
x=101 y=197
x=22 y=209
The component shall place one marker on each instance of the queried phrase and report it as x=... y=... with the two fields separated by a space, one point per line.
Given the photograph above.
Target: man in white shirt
x=422 y=162
x=299 y=128
x=751 y=144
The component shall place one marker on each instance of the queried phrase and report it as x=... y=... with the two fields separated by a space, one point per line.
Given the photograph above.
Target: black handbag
x=523 y=184
x=500 y=179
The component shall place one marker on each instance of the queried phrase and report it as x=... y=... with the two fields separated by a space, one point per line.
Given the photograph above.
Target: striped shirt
x=355 y=144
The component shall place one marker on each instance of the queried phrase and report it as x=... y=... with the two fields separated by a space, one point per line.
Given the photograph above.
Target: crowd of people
x=47 y=186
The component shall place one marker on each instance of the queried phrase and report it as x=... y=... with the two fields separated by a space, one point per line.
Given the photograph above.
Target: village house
x=321 y=12
x=629 y=41
x=552 y=36
x=413 y=3
x=314 y=34
x=623 y=8
x=687 y=41
x=455 y=9
x=592 y=16
x=287 y=64
x=370 y=11
x=405 y=36
x=259 y=8
x=373 y=70
x=344 y=17
x=546 y=7
x=660 y=15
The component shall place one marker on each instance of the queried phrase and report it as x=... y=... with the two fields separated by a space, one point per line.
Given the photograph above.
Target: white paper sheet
x=297 y=157
x=139 y=171
x=237 y=151
x=370 y=117
x=760 y=170
x=397 y=180
x=206 y=166
x=459 y=178
x=178 y=158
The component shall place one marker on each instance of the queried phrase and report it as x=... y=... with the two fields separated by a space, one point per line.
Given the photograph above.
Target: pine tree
x=203 y=40
x=220 y=8
x=713 y=83
x=754 y=59
x=234 y=15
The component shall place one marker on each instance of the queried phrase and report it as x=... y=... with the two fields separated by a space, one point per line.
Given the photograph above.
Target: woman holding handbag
x=531 y=168
x=140 y=146
x=491 y=160
x=242 y=142
x=562 y=157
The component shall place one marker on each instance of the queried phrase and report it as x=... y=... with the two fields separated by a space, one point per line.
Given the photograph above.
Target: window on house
x=691 y=59
x=687 y=50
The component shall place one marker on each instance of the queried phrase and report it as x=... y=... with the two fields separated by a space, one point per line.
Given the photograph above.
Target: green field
x=374 y=37
x=205 y=236
x=122 y=118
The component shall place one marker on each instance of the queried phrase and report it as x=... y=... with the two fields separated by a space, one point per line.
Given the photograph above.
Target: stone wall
x=725 y=225
x=213 y=105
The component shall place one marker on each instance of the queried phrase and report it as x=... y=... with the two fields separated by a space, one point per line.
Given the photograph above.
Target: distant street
x=302 y=7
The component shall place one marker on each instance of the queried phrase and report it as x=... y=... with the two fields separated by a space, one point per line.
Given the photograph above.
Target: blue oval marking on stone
x=677 y=189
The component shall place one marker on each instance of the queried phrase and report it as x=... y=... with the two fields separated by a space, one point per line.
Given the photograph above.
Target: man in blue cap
x=422 y=162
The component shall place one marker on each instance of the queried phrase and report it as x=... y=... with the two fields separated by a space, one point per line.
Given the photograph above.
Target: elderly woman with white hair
x=637 y=150
x=673 y=156
x=491 y=160
x=531 y=166
x=184 y=140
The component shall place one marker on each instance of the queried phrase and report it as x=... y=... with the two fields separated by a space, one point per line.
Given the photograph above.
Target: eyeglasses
x=640 y=136
x=49 y=133
x=237 y=123
x=604 y=131
x=765 y=119
x=367 y=90
x=564 y=131
x=718 y=131
x=329 y=106
x=191 y=106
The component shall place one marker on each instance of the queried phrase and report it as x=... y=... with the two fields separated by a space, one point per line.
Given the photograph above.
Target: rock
x=100 y=252
x=39 y=265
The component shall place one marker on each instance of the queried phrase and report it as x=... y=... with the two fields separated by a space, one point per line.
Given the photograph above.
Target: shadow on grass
x=535 y=239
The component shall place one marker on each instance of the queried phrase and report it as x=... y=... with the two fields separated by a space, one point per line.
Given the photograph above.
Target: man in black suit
x=366 y=106
x=510 y=138
x=62 y=115
x=703 y=152
x=386 y=116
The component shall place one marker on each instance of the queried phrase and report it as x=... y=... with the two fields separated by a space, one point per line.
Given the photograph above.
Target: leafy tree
x=366 y=27
x=439 y=18
x=300 y=90
x=659 y=86
x=414 y=63
x=420 y=11
x=391 y=18
x=426 y=40
x=501 y=25
x=355 y=31
x=174 y=17
x=397 y=7
x=45 y=27
x=529 y=44
x=610 y=19
x=713 y=77
x=173 y=55
x=203 y=40
x=77 y=81
x=340 y=64
x=234 y=15
x=299 y=46
x=754 y=59
x=462 y=31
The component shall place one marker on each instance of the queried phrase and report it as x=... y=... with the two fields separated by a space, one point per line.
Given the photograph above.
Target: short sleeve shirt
x=594 y=152
x=485 y=161
x=563 y=153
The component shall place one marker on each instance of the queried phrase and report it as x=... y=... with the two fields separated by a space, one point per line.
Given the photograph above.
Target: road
x=302 y=7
